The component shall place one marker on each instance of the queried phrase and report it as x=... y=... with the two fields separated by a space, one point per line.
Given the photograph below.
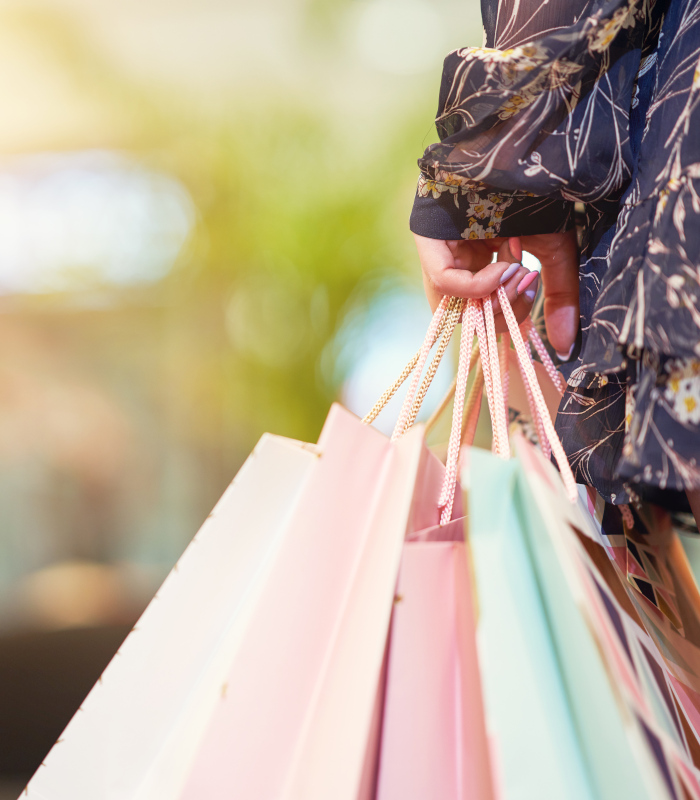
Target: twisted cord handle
x=430 y=337
x=478 y=319
x=500 y=418
x=534 y=411
x=451 y=319
x=473 y=402
x=504 y=360
x=557 y=379
x=473 y=405
x=374 y=412
x=554 y=442
x=471 y=315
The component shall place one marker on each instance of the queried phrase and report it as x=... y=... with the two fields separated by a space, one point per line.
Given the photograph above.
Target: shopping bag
x=109 y=745
x=434 y=744
x=531 y=728
x=434 y=741
x=553 y=719
x=278 y=613
x=258 y=668
x=634 y=587
x=321 y=764
x=558 y=643
x=311 y=713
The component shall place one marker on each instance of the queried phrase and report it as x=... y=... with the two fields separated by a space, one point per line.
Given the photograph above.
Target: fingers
x=509 y=250
x=515 y=248
x=462 y=283
x=458 y=269
x=511 y=285
x=431 y=293
x=522 y=308
x=471 y=254
x=462 y=269
x=435 y=256
x=521 y=291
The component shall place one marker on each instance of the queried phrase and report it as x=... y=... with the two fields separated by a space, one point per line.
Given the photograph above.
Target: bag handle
x=473 y=404
x=435 y=331
x=492 y=373
x=525 y=360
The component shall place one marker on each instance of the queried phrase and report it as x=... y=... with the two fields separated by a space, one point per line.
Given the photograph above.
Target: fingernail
x=529 y=279
x=512 y=269
x=530 y=288
x=566 y=356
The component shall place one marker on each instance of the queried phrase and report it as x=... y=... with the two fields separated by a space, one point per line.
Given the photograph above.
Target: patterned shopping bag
x=637 y=590
x=636 y=725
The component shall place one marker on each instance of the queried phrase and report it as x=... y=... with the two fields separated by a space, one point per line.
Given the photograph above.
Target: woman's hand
x=558 y=254
x=463 y=269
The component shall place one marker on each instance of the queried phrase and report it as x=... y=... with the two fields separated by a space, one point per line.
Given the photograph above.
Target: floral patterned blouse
x=591 y=107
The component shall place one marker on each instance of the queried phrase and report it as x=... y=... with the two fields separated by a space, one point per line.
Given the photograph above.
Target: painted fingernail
x=528 y=280
x=512 y=269
x=566 y=356
x=531 y=287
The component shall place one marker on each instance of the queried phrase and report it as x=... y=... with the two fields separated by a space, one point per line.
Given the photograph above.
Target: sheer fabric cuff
x=450 y=207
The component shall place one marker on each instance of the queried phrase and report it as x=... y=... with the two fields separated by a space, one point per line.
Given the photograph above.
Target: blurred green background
x=203 y=236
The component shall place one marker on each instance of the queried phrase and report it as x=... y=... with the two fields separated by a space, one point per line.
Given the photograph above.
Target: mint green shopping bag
x=556 y=727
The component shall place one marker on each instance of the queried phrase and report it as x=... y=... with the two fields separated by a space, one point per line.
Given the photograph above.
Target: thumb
x=560 y=278
x=510 y=251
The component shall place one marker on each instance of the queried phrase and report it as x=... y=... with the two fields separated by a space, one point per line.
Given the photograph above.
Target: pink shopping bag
x=296 y=713
x=434 y=744
x=254 y=672
x=434 y=740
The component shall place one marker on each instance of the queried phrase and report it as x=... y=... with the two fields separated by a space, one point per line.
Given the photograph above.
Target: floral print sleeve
x=534 y=121
x=594 y=103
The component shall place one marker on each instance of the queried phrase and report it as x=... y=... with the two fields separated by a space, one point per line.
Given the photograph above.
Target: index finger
x=463 y=283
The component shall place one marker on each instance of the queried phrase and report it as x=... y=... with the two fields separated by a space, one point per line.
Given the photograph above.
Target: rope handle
x=435 y=330
x=525 y=361
x=473 y=404
x=451 y=319
x=492 y=374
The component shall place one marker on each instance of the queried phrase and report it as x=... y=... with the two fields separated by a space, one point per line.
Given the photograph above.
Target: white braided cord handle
x=557 y=379
x=469 y=322
x=500 y=418
x=428 y=342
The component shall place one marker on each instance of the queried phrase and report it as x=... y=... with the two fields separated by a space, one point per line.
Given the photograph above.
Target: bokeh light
x=70 y=221
x=203 y=237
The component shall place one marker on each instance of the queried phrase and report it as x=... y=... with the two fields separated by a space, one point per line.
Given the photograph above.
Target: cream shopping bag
x=272 y=625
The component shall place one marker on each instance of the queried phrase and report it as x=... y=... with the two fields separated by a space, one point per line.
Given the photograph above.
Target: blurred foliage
x=301 y=196
x=126 y=410
x=301 y=210
x=288 y=231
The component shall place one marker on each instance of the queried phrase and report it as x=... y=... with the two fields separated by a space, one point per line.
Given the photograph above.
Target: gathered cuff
x=537 y=125
x=451 y=207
